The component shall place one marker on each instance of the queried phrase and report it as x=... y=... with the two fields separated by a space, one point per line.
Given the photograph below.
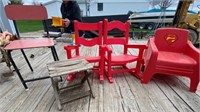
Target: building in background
x=100 y=7
x=5 y=24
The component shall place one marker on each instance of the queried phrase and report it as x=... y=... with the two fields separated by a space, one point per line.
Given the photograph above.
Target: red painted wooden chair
x=122 y=59
x=85 y=42
x=170 y=52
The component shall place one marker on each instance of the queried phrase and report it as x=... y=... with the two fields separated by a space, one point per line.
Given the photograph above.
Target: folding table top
x=59 y=68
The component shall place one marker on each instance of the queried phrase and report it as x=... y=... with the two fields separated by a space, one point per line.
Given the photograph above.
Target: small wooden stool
x=60 y=68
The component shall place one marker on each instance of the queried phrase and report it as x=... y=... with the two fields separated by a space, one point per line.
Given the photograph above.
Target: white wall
x=83 y=9
x=110 y=7
x=117 y=8
x=5 y=24
x=121 y=1
x=53 y=9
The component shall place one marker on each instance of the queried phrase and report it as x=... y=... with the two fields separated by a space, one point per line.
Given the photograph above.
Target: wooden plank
x=112 y=98
x=15 y=82
x=143 y=102
x=129 y=103
x=113 y=101
x=182 y=90
x=45 y=104
x=186 y=81
x=69 y=66
x=24 y=97
x=172 y=96
x=96 y=105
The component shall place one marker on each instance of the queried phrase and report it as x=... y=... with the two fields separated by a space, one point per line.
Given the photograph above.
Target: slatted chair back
x=88 y=42
x=80 y=26
x=122 y=27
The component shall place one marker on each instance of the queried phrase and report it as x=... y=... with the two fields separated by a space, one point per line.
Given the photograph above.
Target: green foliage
x=15 y=2
x=29 y=26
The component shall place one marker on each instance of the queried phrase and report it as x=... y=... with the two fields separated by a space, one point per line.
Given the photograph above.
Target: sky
x=192 y=6
x=30 y=1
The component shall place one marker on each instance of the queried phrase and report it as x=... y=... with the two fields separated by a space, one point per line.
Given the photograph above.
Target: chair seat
x=121 y=59
x=177 y=60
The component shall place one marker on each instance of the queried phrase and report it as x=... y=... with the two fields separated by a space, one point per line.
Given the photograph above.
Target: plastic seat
x=170 y=52
x=88 y=42
x=124 y=58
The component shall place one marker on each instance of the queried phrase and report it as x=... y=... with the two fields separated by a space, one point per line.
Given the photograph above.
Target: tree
x=35 y=2
x=162 y=4
x=15 y=2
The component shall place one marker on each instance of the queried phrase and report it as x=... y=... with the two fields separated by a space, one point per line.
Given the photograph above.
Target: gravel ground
x=32 y=34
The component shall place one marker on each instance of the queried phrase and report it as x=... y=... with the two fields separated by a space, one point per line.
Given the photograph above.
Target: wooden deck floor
x=126 y=94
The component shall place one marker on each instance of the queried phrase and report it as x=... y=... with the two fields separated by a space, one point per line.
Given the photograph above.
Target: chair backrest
x=80 y=26
x=26 y=12
x=115 y=24
x=171 y=39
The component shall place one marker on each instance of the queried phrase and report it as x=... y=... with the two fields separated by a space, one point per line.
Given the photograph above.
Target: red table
x=28 y=44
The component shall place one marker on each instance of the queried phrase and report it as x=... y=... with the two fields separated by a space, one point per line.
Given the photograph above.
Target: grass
x=29 y=26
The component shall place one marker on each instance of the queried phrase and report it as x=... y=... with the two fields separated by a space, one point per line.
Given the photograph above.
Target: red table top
x=29 y=43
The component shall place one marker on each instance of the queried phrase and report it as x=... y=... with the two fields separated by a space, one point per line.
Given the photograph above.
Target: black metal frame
x=24 y=81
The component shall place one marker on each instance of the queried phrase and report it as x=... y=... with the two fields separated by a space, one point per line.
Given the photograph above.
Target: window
x=100 y=6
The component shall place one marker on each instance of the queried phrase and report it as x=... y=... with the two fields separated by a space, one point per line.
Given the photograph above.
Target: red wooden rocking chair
x=170 y=52
x=122 y=59
x=80 y=26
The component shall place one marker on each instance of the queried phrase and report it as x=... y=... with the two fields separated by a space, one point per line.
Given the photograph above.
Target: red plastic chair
x=121 y=59
x=84 y=42
x=170 y=52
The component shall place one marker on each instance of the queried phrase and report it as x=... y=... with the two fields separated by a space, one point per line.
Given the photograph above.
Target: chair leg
x=148 y=74
x=109 y=74
x=194 y=83
x=101 y=71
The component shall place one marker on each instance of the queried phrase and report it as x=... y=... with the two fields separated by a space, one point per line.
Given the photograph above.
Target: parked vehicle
x=187 y=21
x=148 y=19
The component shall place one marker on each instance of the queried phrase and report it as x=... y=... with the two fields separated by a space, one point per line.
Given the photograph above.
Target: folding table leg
x=17 y=70
x=87 y=74
x=55 y=88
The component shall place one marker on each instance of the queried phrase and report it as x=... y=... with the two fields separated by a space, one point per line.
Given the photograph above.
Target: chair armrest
x=107 y=49
x=108 y=52
x=192 y=51
x=151 y=53
x=69 y=49
x=140 y=47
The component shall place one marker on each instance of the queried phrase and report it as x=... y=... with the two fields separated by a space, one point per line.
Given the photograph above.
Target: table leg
x=55 y=88
x=17 y=70
x=26 y=59
x=88 y=74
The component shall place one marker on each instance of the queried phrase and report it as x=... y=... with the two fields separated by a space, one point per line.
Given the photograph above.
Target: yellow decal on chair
x=171 y=38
